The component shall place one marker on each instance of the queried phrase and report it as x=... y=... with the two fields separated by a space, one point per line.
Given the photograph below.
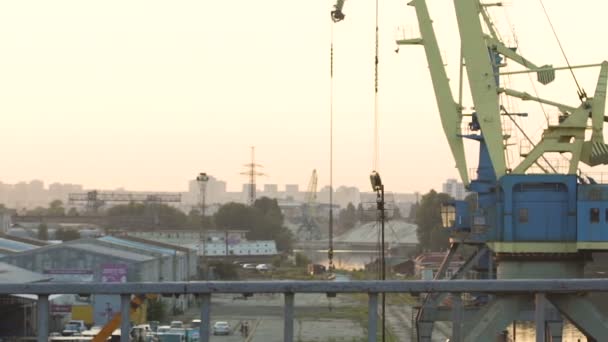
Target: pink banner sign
x=113 y=273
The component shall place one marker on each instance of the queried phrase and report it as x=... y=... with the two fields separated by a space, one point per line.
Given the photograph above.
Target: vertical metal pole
x=205 y=317
x=202 y=180
x=457 y=318
x=288 y=323
x=382 y=218
x=539 y=316
x=372 y=317
x=125 y=317
x=43 y=318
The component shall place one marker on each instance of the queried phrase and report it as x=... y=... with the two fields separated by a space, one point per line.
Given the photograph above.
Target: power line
x=581 y=93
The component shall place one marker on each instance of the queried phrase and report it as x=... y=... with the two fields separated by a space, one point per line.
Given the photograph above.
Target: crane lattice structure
x=309 y=228
x=252 y=173
x=96 y=199
x=531 y=220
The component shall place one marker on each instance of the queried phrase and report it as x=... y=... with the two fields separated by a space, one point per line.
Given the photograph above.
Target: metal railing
x=289 y=289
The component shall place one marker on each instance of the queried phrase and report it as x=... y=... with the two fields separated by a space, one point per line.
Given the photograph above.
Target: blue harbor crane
x=530 y=219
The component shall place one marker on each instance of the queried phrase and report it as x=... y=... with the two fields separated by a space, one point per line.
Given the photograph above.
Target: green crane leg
x=582 y=313
x=494 y=317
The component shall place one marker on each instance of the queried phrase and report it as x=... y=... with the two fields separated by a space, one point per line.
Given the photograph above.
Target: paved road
x=235 y=336
x=265 y=316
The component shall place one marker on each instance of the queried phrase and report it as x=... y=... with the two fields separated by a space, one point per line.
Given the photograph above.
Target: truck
x=83 y=313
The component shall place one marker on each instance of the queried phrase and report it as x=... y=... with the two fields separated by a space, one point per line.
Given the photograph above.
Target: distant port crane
x=94 y=200
x=309 y=228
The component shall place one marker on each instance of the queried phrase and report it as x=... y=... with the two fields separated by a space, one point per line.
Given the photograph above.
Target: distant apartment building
x=454 y=188
x=59 y=191
x=215 y=192
x=271 y=191
x=29 y=195
x=323 y=194
x=347 y=194
x=293 y=191
x=213 y=243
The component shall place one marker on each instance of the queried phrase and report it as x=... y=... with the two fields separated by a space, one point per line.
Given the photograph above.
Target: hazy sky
x=146 y=94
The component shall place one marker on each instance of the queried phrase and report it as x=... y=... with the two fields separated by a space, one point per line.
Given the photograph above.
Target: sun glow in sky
x=146 y=94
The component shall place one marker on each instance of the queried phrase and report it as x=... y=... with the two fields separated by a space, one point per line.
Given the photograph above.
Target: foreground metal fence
x=289 y=289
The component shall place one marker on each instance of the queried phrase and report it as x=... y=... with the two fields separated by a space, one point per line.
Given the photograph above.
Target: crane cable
x=581 y=93
x=330 y=250
x=376 y=118
x=375 y=168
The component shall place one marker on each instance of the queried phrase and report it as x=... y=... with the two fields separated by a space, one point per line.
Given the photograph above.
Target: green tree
x=360 y=213
x=43 y=232
x=225 y=270
x=397 y=213
x=66 y=234
x=431 y=234
x=268 y=223
x=302 y=260
x=366 y=215
x=162 y=215
x=38 y=211
x=264 y=221
x=130 y=209
x=56 y=208
x=72 y=212
x=347 y=218
x=168 y=216
x=270 y=210
x=412 y=216
x=155 y=310
x=234 y=216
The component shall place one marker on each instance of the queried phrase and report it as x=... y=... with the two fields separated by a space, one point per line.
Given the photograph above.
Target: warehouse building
x=111 y=259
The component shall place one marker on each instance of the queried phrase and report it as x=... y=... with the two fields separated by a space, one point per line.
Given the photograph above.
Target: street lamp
x=202 y=180
x=378 y=187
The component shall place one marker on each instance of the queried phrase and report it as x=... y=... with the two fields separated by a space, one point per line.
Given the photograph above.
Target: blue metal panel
x=592 y=213
x=538 y=208
x=138 y=245
x=15 y=245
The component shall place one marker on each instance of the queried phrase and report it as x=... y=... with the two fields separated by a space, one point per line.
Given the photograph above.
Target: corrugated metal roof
x=14 y=274
x=116 y=252
x=15 y=245
x=138 y=245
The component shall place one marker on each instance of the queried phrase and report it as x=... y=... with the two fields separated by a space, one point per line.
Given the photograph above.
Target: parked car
x=249 y=266
x=163 y=328
x=196 y=323
x=221 y=328
x=140 y=332
x=73 y=328
x=263 y=267
x=177 y=324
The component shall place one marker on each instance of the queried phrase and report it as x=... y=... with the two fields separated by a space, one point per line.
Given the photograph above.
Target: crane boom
x=482 y=81
x=451 y=116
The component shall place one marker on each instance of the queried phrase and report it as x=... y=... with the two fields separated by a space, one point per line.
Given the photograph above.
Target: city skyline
x=36 y=193
x=146 y=94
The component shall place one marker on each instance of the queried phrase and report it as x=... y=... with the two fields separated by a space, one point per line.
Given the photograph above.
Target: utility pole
x=202 y=180
x=251 y=172
x=379 y=189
